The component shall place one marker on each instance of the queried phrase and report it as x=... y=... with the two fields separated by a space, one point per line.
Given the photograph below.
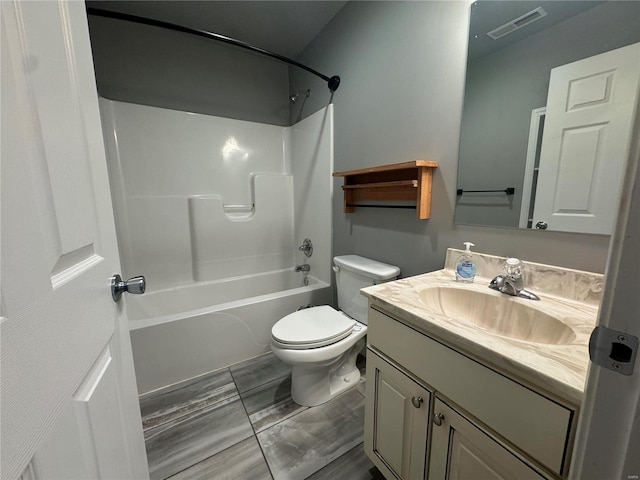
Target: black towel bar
x=508 y=191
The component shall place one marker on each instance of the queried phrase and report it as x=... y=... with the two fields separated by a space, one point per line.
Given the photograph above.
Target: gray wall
x=402 y=66
x=403 y=70
x=151 y=66
x=501 y=90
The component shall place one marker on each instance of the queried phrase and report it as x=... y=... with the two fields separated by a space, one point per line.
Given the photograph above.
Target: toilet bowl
x=321 y=343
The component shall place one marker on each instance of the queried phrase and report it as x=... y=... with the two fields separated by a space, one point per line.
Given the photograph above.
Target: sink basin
x=498 y=314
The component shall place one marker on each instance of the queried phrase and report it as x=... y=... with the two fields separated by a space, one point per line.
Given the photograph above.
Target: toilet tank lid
x=367 y=267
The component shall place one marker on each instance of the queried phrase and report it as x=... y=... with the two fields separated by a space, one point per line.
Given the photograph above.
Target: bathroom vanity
x=467 y=382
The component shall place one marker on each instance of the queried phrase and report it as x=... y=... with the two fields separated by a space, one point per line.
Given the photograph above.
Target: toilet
x=321 y=343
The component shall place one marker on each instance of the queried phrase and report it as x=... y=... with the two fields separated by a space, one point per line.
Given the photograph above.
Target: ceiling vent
x=517 y=23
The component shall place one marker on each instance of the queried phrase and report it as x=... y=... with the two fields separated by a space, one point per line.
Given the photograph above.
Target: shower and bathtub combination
x=212 y=211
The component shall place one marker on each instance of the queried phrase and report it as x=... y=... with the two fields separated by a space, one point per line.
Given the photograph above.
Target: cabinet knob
x=417 y=401
x=437 y=418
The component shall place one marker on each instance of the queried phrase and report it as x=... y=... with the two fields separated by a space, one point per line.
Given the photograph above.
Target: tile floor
x=239 y=423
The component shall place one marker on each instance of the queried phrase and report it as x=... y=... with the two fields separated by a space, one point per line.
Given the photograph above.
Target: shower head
x=293 y=98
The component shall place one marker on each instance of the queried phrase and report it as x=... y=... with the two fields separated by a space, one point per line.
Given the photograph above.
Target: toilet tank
x=354 y=272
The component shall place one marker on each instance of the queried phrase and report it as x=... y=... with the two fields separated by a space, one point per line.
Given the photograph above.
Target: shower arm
x=332 y=82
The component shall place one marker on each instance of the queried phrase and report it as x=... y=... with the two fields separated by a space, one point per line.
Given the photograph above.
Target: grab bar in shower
x=229 y=207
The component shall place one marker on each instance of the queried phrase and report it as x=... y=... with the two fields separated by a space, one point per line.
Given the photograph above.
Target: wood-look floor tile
x=270 y=403
x=181 y=399
x=242 y=461
x=353 y=465
x=303 y=444
x=258 y=371
x=179 y=444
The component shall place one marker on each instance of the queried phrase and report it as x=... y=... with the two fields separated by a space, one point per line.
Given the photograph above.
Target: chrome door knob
x=135 y=285
x=541 y=225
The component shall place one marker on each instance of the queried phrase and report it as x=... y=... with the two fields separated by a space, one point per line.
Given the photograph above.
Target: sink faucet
x=512 y=283
x=303 y=268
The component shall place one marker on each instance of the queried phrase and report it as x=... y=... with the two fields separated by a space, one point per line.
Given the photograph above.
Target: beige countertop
x=557 y=369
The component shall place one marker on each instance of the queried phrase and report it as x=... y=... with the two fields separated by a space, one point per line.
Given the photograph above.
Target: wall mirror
x=550 y=94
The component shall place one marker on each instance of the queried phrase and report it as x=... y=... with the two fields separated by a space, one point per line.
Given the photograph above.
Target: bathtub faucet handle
x=306 y=247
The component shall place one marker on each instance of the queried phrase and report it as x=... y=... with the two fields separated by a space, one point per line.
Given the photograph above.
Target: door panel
x=391 y=419
x=66 y=185
x=92 y=428
x=462 y=451
x=467 y=461
x=396 y=426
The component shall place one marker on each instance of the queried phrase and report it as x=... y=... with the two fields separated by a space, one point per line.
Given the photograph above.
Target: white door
x=608 y=438
x=590 y=108
x=69 y=406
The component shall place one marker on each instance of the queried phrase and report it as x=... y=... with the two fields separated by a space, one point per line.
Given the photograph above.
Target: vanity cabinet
x=489 y=421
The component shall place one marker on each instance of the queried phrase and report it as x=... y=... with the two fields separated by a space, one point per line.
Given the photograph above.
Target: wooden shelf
x=408 y=181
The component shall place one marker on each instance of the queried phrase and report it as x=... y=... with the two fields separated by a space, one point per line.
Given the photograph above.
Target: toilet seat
x=312 y=328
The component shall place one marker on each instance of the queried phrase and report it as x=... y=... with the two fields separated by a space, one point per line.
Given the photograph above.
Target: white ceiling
x=283 y=27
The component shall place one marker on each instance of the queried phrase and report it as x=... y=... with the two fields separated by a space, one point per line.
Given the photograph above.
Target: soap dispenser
x=465 y=266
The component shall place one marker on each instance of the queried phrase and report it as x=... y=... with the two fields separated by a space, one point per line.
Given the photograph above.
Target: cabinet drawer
x=530 y=421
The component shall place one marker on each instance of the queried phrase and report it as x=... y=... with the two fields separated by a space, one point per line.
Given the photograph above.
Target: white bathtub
x=185 y=331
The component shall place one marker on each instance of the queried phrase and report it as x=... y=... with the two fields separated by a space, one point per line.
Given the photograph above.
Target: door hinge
x=613 y=349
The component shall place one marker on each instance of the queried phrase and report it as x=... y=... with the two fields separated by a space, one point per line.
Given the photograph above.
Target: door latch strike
x=613 y=349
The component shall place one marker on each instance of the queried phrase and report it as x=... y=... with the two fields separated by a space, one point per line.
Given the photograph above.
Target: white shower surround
x=211 y=210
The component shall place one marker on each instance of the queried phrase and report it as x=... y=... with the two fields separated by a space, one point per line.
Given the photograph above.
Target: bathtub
x=182 y=332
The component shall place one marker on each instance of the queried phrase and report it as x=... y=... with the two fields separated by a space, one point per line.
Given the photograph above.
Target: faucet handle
x=306 y=247
x=513 y=267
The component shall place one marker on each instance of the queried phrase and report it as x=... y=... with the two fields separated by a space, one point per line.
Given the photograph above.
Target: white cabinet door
x=586 y=140
x=462 y=451
x=69 y=405
x=396 y=421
